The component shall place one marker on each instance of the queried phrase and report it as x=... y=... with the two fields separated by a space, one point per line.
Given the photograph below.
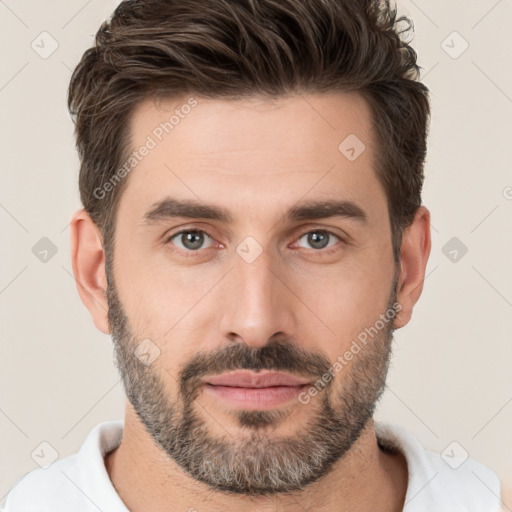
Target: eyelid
x=323 y=230
x=169 y=237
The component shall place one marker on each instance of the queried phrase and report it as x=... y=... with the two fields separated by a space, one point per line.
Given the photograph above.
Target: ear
x=88 y=260
x=414 y=256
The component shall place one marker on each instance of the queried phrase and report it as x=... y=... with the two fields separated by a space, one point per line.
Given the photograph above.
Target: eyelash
x=191 y=253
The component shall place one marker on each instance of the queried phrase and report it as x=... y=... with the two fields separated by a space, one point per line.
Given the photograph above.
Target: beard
x=255 y=463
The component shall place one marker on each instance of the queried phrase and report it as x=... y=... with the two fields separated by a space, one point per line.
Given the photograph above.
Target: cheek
x=163 y=301
x=347 y=299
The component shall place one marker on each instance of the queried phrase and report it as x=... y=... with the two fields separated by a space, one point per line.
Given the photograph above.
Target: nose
x=258 y=305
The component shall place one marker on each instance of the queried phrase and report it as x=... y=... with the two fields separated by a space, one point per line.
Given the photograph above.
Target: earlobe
x=88 y=261
x=415 y=251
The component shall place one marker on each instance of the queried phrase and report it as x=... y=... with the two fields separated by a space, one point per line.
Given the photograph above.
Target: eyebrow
x=169 y=208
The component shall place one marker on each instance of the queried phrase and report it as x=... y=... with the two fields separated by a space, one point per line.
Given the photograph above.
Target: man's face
x=272 y=287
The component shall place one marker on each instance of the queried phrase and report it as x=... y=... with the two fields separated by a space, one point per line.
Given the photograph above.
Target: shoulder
x=72 y=482
x=449 y=481
x=42 y=488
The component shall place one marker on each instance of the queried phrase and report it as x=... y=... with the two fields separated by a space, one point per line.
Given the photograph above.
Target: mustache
x=277 y=356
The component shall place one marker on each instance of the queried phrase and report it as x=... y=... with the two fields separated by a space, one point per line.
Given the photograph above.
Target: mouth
x=249 y=390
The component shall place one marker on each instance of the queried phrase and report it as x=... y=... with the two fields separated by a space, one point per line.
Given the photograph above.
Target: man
x=252 y=234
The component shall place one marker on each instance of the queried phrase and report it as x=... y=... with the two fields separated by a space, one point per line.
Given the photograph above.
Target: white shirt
x=80 y=482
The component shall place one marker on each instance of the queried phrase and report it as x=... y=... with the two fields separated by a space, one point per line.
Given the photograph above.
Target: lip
x=261 y=379
x=255 y=391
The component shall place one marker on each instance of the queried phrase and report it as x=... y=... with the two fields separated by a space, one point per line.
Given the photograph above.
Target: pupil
x=318 y=239
x=193 y=240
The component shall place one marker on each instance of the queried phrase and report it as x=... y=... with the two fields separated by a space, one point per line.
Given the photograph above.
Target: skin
x=255 y=158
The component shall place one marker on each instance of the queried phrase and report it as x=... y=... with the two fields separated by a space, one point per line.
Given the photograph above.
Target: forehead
x=296 y=122
x=253 y=152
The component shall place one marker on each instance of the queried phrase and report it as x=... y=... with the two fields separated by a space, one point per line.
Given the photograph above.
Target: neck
x=366 y=478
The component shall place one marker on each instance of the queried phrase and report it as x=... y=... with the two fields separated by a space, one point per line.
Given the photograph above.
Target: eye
x=319 y=239
x=191 y=239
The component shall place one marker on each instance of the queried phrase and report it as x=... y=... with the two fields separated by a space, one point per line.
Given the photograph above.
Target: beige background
x=451 y=377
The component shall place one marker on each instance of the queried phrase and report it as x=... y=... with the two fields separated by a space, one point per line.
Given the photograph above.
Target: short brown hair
x=242 y=48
